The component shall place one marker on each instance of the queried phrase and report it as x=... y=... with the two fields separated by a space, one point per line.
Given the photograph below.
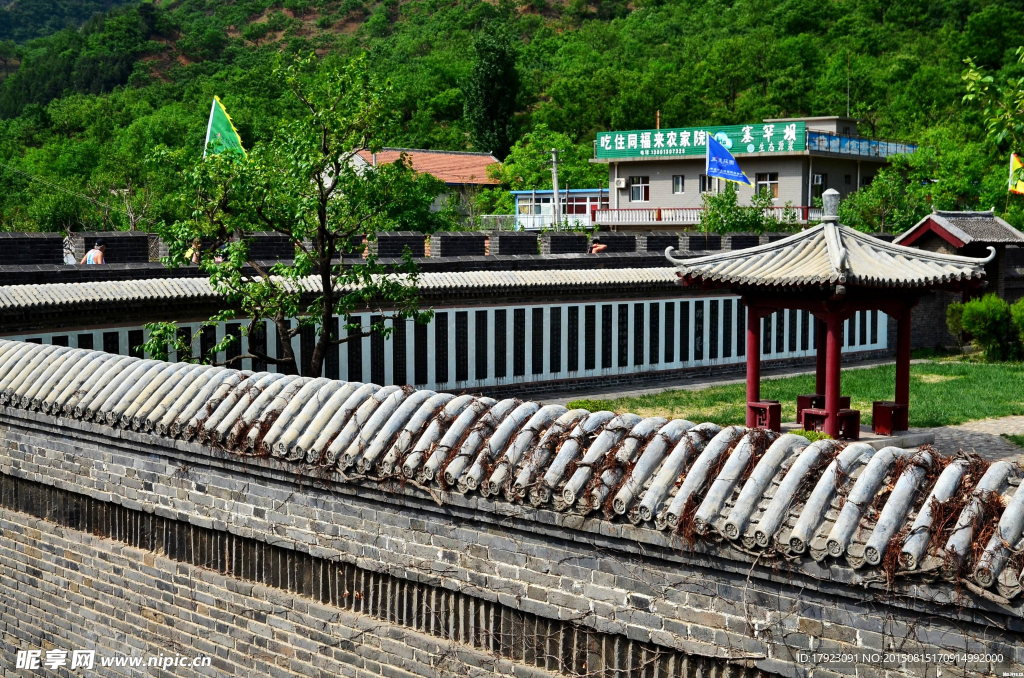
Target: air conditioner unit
x=620 y=183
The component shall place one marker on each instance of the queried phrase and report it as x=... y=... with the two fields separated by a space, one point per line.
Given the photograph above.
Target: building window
x=678 y=184
x=819 y=184
x=768 y=182
x=575 y=205
x=847 y=179
x=866 y=181
x=846 y=130
x=708 y=184
x=639 y=189
x=537 y=205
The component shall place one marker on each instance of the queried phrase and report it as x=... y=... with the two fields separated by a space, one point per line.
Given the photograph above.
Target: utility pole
x=557 y=206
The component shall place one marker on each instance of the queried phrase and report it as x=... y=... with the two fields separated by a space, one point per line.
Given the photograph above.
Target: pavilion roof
x=831 y=253
x=967 y=227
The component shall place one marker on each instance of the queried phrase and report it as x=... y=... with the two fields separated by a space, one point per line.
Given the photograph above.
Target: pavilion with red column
x=833 y=272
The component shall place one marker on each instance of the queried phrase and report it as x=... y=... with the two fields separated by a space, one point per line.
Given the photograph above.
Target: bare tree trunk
x=325 y=246
x=284 y=331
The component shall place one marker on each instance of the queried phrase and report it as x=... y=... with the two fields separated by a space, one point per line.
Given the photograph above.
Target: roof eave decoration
x=830 y=253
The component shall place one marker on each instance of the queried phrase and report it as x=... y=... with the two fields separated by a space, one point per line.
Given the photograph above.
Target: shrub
x=723 y=213
x=955 y=323
x=991 y=323
x=812 y=436
x=1017 y=313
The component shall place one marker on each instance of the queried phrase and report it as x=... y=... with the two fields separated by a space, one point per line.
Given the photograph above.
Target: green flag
x=221 y=134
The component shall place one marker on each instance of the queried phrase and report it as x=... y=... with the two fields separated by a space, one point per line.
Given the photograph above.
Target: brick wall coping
x=20 y=297
x=842 y=513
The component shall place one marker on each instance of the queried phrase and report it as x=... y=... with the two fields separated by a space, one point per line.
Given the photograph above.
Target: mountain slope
x=84 y=100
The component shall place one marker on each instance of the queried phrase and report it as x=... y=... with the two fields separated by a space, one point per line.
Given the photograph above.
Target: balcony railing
x=848 y=145
x=533 y=222
x=690 y=216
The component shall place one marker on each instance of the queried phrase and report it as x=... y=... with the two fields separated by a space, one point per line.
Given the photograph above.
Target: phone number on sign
x=896 y=658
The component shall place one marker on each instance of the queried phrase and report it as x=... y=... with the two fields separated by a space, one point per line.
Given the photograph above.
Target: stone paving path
x=983 y=436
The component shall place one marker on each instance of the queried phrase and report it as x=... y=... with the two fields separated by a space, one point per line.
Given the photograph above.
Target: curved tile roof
x=830 y=253
x=13 y=297
x=900 y=513
x=968 y=227
x=451 y=167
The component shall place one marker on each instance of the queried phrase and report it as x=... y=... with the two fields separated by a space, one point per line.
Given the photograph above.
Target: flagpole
x=209 y=126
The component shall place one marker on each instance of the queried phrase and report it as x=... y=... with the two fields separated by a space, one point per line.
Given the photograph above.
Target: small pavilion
x=833 y=272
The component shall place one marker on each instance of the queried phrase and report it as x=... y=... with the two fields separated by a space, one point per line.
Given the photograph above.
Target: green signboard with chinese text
x=764 y=137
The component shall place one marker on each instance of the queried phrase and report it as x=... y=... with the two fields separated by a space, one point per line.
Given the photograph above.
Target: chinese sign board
x=768 y=137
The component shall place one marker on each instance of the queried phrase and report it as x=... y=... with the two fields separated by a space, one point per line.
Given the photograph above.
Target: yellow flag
x=1016 y=183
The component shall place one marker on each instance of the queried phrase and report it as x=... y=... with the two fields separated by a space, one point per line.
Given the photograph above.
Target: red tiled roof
x=451 y=167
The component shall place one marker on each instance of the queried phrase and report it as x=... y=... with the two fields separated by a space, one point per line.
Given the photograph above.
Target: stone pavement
x=983 y=436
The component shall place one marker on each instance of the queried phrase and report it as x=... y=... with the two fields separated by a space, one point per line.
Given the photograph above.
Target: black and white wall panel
x=500 y=345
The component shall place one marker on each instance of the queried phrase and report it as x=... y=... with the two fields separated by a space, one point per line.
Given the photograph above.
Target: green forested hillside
x=22 y=20
x=85 y=106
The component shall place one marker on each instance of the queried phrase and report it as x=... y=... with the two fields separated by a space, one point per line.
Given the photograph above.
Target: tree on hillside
x=491 y=93
x=1002 y=107
x=9 y=52
x=306 y=184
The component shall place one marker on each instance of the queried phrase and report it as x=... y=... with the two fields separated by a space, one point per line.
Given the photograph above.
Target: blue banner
x=721 y=164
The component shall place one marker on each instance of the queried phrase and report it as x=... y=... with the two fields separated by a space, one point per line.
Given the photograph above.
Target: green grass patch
x=1016 y=440
x=812 y=435
x=941 y=394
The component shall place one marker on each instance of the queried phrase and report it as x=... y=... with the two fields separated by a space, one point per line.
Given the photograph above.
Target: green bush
x=724 y=214
x=812 y=436
x=990 y=322
x=1017 y=313
x=955 y=323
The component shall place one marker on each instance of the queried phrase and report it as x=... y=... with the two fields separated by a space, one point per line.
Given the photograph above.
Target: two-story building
x=657 y=177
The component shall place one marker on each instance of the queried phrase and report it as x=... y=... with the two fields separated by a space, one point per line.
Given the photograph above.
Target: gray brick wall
x=67 y=589
x=627 y=583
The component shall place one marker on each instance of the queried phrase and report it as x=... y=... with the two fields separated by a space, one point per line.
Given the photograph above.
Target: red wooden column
x=834 y=358
x=753 y=361
x=819 y=346
x=903 y=359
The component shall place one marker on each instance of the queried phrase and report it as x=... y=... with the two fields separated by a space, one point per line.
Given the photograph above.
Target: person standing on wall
x=95 y=255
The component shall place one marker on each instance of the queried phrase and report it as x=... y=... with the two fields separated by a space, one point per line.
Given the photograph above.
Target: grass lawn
x=941 y=394
x=1016 y=440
